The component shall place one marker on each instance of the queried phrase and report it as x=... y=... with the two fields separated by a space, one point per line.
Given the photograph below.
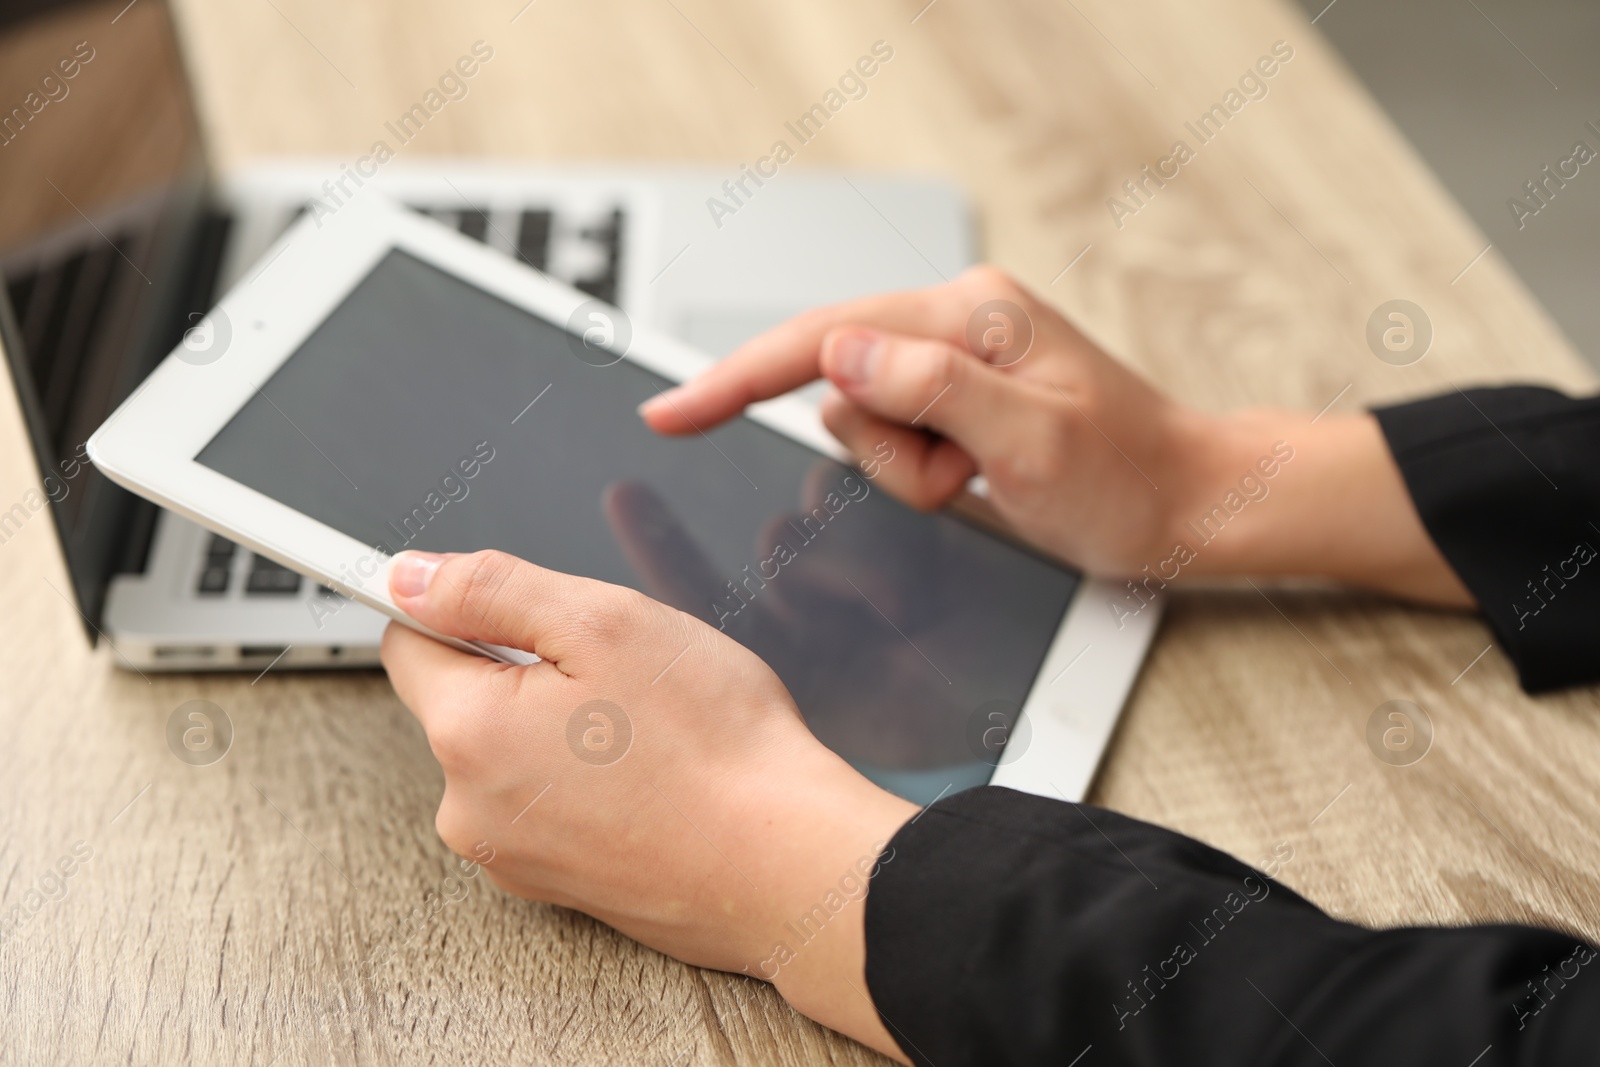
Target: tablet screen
x=425 y=413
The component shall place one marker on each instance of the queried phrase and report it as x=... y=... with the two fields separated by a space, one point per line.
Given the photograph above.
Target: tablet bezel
x=150 y=442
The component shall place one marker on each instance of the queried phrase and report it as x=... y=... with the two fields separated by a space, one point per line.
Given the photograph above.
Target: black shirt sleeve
x=1012 y=929
x=1507 y=482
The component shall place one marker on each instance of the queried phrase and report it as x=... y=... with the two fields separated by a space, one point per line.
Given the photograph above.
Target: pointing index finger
x=788 y=356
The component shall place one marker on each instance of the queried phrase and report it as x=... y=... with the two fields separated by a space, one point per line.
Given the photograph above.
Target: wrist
x=1207 y=455
x=809 y=936
x=1228 y=468
x=1270 y=492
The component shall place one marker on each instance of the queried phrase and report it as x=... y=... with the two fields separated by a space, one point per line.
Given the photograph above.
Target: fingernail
x=660 y=402
x=412 y=571
x=856 y=355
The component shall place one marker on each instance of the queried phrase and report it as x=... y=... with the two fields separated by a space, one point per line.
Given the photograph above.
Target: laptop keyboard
x=533 y=238
x=586 y=253
x=268 y=578
x=59 y=306
x=264 y=577
x=217 y=573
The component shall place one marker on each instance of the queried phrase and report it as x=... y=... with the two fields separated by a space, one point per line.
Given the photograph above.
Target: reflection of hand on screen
x=810 y=619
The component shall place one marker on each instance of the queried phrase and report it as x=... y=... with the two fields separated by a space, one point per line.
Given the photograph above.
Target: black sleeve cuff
x=1507 y=482
x=1012 y=929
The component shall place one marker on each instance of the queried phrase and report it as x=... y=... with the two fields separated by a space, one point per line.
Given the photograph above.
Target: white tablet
x=387 y=384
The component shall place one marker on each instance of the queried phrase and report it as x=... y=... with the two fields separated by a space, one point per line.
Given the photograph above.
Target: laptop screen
x=101 y=185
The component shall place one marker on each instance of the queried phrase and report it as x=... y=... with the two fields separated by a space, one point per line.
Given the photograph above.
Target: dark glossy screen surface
x=405 y=421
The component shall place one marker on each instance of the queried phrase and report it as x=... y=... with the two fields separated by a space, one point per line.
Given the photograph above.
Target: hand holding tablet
x=650 y=772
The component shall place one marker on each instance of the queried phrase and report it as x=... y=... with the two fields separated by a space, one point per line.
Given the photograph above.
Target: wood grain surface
x=275 y=908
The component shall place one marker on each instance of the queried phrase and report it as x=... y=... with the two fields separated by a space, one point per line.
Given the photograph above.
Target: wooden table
x=226 y=913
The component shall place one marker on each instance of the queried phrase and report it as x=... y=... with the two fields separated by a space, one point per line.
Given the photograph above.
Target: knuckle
x=1014 y=472
x=921 y=495
x=480 y=576
x=452 y=744
x=1057 y=424
x=946 y=362
x=950 y=363
x=932 y=369
x=604 y=619
x=838 y=414
x=459 y=739
x=1049 y=452
x=454 y=826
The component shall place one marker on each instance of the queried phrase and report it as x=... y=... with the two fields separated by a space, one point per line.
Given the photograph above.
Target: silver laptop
x=115 y=238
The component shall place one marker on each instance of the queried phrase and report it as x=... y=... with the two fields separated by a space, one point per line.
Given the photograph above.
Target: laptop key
x=604 y=288
x=214 y=580
x=473 y=223
x=607 y=232
x=270 y=578
x=608 y=237
x=533 y=239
